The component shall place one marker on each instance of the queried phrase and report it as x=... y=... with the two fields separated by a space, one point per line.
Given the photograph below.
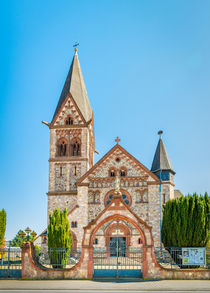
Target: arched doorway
x=117 y=251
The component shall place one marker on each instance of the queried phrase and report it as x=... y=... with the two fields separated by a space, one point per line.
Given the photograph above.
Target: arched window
x=140 y=241
x=74 y=224
x=76 y=148
x=69 y=121
x=145 y=196
x=112 y=172
x=123 y=172
x=62 y=148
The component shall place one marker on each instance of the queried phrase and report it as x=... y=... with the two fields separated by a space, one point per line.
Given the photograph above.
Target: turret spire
x=161 y=161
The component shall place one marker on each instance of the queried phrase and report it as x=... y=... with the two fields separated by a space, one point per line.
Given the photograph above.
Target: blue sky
x=146 y=66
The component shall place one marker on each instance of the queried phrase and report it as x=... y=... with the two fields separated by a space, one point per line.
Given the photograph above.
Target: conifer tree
x=3 y=220
x=59 y=238
x=186 y=221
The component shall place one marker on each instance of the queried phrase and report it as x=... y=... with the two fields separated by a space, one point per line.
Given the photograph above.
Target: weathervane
x=75 y=46
x=160 y=132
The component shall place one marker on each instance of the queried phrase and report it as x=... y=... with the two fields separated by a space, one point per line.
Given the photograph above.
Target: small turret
x=161 y=165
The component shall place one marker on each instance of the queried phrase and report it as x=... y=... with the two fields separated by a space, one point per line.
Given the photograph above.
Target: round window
x=125 y=197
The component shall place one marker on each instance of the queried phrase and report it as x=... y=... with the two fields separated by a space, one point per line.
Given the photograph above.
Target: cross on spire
x=75 y=46
x=117 y=140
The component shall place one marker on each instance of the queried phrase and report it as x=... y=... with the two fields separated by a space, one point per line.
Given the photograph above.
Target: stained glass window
x=125 y=198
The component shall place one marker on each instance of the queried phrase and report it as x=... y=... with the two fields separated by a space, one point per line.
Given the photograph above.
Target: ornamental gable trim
x=118 y=158
x=68 y=109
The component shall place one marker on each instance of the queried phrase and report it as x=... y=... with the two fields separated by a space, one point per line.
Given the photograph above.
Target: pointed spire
x=161 y=160
x=75 y=85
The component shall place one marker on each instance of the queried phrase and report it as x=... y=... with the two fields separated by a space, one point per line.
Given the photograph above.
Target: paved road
x=103 y=286
x=73 y=291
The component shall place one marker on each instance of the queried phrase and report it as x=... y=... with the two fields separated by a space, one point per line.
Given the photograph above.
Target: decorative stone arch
x=112 y=227
x=118 y=210
x=118 y=217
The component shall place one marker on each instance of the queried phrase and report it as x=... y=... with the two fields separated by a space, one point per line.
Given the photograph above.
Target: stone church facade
x=87 y=189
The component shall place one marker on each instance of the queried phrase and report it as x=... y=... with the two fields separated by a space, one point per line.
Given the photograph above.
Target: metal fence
x=172 y=258
x=10 y=262
x=59 y=258
x=117 y=261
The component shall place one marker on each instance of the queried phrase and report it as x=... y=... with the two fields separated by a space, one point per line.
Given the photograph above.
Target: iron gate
x=10 y=262
x=117 y=260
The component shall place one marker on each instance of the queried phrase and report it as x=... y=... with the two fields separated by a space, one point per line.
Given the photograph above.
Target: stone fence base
x=82 y=270
x=33 y=270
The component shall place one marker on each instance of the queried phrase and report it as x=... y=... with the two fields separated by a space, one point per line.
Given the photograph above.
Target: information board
x=193 y=255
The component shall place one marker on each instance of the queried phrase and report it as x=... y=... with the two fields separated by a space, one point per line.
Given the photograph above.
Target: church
x=114 y=191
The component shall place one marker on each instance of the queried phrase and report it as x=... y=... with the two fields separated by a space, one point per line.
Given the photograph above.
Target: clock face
x=165 y=176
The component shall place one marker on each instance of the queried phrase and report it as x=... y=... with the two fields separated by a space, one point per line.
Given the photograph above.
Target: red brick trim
x=67 y=159
x=63 y=104
x=74 y=208
x=70 y=126
x=158 y=183
x=117 y=146
x=55 y=193
x=82 y=184
x=122 y=227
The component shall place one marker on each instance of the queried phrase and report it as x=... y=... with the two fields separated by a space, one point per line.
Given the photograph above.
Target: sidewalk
x=163 y=285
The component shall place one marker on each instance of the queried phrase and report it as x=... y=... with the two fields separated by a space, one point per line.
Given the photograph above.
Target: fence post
x=9 y=260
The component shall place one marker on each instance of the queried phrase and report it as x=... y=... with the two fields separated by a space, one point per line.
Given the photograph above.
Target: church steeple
x=72 y=142
x=74 y=87
x=161 y=165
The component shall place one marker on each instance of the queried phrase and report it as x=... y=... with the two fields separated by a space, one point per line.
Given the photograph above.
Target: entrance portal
x=113 y=253
x=117 y=246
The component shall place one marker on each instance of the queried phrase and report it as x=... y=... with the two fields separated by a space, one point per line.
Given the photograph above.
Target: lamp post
x=33 y=234
x=160 y=132
x=28 y=231
x=22 y=234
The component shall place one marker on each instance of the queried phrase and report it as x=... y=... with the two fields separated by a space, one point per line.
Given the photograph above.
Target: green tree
x=186 y=221
x=3 y=221
x=18 y=239
x=59 y=238
x=37 y=249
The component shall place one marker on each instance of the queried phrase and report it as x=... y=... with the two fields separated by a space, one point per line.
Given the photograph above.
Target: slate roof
x=161 y=160
x=75 y=85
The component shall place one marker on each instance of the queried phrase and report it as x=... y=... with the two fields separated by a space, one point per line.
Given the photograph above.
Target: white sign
x=193 y=255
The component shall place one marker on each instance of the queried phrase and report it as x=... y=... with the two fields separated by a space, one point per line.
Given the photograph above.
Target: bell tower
x=162 y=168
x=72 y=142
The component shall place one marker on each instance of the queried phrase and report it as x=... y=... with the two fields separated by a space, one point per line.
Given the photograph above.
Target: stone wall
x=84 y=268
x=155 y=271
x=152 y=270
x=32 y=270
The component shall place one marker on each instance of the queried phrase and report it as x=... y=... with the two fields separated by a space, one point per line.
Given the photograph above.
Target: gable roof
x=161 y=159
x=75 y=85
x=117 y=146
